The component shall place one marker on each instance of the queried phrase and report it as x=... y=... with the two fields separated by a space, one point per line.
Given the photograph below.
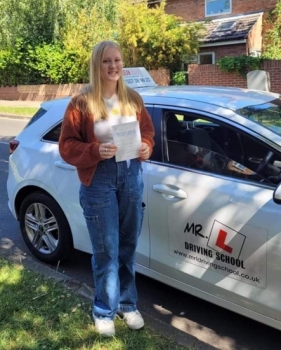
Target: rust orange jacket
x=78 y=145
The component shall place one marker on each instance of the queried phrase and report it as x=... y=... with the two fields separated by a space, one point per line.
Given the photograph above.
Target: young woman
x=111 y=191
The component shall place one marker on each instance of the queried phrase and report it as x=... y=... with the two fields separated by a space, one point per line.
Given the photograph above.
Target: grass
x=25 y=111
x=38 y=313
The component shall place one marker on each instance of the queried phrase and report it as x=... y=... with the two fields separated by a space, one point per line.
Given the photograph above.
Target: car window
x=197 y=142
x=36 y=116
x=267 y=114
x=53 y=135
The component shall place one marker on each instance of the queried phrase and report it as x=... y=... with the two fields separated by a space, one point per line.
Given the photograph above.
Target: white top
x=102 y=128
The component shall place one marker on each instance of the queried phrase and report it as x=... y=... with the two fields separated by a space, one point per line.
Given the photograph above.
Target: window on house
x=217 y=7
x=206 y=58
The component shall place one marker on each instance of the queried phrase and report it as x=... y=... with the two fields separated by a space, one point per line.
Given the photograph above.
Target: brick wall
x=229 y=50
x=37 y=92
x=274 y=69
x=194 y=10
x=210 y=74
x=48 y=92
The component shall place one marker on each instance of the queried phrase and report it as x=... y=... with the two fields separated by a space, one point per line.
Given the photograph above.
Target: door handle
x=170 y=190
x=64 y=165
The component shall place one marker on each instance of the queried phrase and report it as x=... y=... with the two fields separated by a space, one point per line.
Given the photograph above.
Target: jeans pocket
x=94 y=201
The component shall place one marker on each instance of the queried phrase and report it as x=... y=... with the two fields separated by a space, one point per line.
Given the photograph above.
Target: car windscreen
x=41 y=111
x=267 y=114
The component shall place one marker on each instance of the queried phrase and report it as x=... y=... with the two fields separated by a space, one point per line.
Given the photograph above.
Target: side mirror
x=277 y=194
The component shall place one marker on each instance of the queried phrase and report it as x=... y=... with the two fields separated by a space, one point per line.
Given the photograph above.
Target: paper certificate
x=127 y=138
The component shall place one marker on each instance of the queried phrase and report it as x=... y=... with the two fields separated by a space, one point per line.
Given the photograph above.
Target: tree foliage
x=272 y=40
x=87 y=28
x=50 y=41
x=239 y=64
x=31 y=21
x=151 y=38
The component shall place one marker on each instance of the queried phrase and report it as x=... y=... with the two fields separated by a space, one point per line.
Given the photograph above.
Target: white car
x=212 y=226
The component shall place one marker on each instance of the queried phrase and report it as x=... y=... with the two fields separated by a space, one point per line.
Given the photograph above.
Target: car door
x=214 y=228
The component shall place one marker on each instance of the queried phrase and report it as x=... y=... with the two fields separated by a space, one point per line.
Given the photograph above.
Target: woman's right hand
x=107 y=150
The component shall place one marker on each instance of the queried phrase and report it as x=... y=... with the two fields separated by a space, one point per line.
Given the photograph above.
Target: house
x=233 y=27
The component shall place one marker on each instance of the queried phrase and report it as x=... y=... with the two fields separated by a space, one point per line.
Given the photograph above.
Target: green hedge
x=44 y=64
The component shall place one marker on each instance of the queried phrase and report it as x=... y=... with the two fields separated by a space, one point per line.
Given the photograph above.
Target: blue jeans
x=112 y=207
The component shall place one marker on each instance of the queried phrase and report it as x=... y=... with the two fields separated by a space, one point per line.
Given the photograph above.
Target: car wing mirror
x=277 y=194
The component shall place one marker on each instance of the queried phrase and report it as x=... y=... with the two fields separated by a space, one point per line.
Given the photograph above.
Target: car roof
x=227 y=97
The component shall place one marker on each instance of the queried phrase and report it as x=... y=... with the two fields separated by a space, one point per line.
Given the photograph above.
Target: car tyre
x=44 y=228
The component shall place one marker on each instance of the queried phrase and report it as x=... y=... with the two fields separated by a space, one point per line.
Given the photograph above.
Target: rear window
x=54 y=134
x=37 y=116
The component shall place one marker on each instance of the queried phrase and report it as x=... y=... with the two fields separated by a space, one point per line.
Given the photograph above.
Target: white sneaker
x=133 y=319
x=104 y=327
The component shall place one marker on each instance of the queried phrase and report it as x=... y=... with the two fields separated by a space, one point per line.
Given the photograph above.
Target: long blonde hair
x=130 y=101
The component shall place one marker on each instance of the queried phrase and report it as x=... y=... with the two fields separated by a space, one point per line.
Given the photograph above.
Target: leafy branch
x=239 y=64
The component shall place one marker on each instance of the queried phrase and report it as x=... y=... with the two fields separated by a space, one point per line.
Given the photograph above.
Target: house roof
x=234 y=28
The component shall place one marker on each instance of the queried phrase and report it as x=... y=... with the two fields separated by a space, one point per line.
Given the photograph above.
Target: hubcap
x=42 y=228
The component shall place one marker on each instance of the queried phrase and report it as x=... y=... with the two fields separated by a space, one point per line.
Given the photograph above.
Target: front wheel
x=44 y=228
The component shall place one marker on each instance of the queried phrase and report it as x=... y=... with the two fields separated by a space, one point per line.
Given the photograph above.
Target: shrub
x=179 y=78
x=239 y=64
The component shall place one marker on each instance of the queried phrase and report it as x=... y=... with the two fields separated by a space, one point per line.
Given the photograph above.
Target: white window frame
x=219 y=13
x=205 y=54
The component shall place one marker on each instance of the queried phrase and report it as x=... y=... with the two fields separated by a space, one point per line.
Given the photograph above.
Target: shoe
x=133 y=319
x=104 y=327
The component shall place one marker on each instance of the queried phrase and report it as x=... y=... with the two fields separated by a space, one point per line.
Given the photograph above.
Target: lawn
x=39 y=313
x=24 y=111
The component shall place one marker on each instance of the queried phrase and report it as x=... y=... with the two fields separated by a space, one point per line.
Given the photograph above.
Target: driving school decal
x=239 y=254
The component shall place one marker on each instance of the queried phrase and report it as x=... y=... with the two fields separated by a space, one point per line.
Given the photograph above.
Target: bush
x=54 y=64
x=179 y=78
x=43 y=64
x=239 y=64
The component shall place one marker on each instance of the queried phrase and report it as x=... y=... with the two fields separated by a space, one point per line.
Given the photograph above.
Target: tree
x=32 y=21
x=50 y=41
x=151 y=38
x=87 y=28
x=272 y=39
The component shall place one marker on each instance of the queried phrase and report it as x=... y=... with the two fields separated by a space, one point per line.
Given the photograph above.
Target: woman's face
x=111 y=65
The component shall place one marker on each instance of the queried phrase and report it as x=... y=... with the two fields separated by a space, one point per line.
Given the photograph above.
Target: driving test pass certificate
x=127 y=138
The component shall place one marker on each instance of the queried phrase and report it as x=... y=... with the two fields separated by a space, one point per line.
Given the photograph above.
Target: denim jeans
x=112 y=207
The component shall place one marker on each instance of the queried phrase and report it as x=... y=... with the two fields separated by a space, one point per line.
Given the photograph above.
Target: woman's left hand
x=144 y=151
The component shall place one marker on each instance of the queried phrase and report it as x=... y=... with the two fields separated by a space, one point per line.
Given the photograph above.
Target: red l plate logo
x=221 y=242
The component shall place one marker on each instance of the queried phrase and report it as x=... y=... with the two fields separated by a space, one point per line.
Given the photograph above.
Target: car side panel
x=216 y=237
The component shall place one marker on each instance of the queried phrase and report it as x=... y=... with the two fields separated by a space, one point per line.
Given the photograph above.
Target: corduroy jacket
x=79 y=147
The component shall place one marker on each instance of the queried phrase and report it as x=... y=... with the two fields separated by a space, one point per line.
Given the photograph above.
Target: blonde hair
x=130 y=101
